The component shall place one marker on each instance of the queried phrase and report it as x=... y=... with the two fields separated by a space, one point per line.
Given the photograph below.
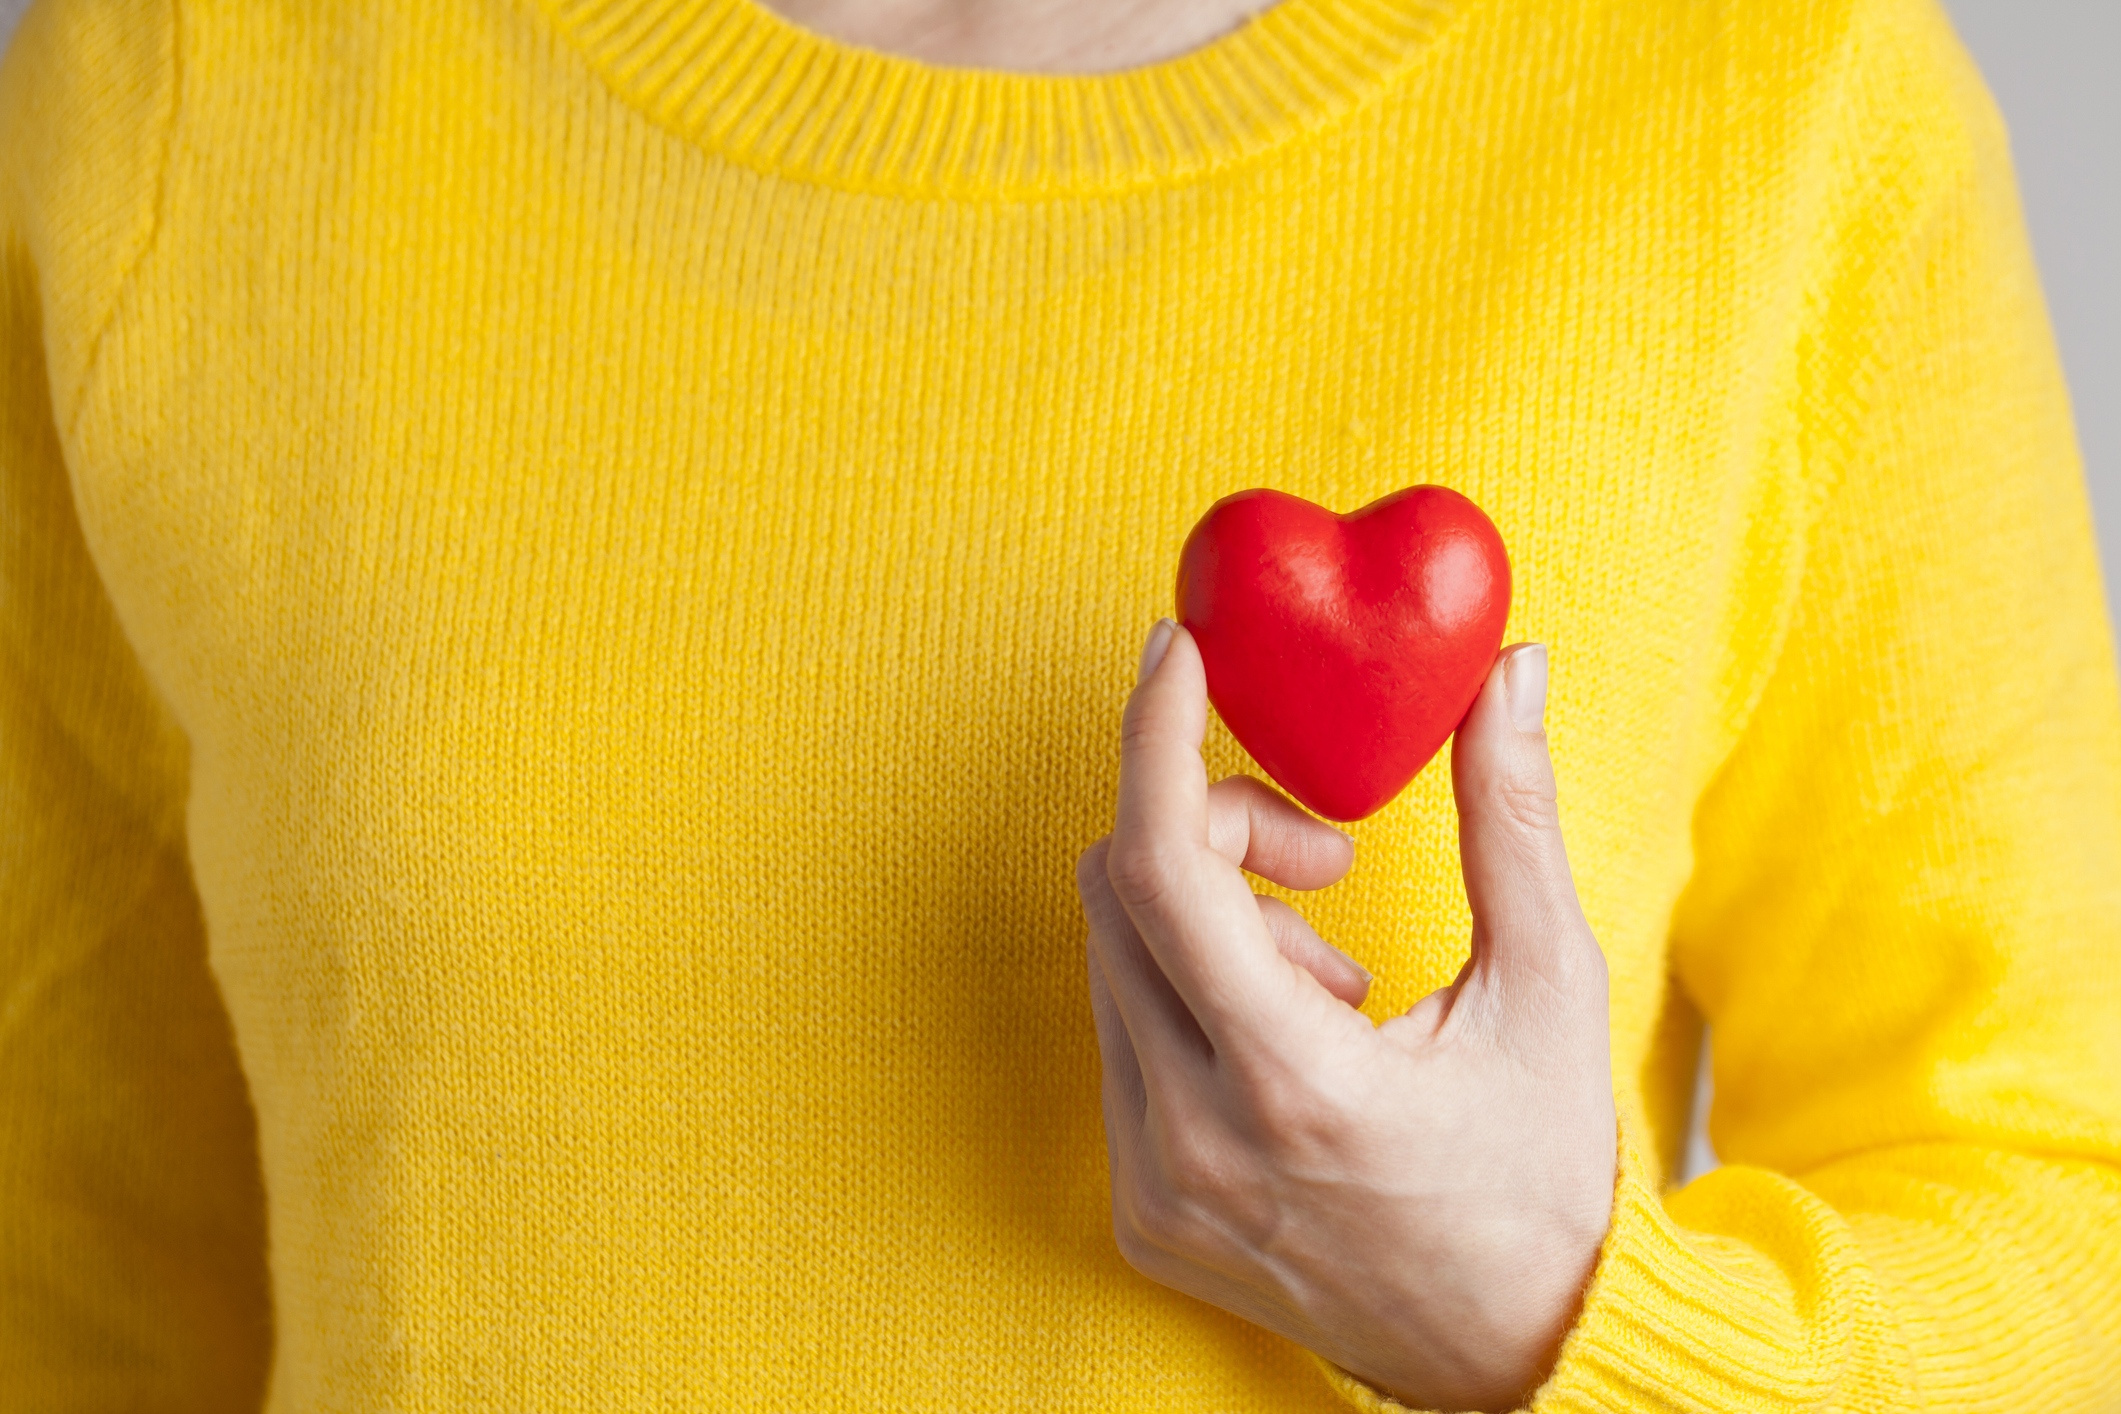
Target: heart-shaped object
x=1343 y=651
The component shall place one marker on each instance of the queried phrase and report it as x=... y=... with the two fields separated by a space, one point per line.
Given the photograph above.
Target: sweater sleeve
x=1904 y=922
x=132 y=1271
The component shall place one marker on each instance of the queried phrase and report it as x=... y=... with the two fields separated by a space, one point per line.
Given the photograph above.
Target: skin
x=1421 y=1201
x=1025 y=36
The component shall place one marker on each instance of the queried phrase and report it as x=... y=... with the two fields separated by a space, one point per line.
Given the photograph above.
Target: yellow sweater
x=567 y=578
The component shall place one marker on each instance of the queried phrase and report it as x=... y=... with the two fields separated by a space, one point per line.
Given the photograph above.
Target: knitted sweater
x=567 y=572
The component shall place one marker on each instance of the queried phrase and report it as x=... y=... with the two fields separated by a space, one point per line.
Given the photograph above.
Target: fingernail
x=1524 y=683
x=1367 y=975
x=1153 y=651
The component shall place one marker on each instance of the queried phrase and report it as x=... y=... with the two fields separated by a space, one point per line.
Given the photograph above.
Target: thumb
x=1526 y=918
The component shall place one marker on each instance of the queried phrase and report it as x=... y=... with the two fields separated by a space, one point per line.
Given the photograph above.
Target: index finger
x=1193 y=907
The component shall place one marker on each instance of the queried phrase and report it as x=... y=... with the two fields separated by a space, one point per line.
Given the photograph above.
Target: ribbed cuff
x=1349 y=1388
x=1663 y=1325
x=1682 y=1319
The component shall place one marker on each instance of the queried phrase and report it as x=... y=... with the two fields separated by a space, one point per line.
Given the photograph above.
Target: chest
x=743 y=604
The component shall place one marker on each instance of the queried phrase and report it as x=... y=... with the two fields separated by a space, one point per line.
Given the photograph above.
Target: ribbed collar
x=740 y=80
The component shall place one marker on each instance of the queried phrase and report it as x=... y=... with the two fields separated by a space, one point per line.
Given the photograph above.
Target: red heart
x=1342 y=651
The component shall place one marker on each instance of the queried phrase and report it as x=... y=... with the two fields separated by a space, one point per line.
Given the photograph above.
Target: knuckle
x=1194 y=1171
x=1529 y=805
x=1129 y=1245
x=1141 y=875
x=1122 y=1095
x=1241 y=794
x=1151 y=1219
x=1295 y=1105
x=1292 y=1114
x=1582 y=969
x=1140 y=1252
x=1279 y=1101
x=1139 y=731
x=1230 y=823
x=1571 y=969
x=1090 y=866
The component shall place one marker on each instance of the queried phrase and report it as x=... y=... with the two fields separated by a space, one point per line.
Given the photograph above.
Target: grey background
x=10 y=11
x=2048 y=63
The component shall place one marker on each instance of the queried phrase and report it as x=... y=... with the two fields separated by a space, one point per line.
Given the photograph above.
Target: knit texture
x=567 y=574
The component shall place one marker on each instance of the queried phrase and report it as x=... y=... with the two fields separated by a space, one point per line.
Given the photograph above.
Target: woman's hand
x=1420 y=1202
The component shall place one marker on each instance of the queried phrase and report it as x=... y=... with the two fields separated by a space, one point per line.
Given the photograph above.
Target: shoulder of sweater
x=89 y=91
x=1862 y=122
x=1883 y=84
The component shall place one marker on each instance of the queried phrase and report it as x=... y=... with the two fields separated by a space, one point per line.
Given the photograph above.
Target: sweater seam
x=1821 y=486
x=162 y=822
x=24 y=992
x=150 y=224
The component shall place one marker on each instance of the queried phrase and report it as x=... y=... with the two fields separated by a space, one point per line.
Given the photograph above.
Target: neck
x=1025 y=36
